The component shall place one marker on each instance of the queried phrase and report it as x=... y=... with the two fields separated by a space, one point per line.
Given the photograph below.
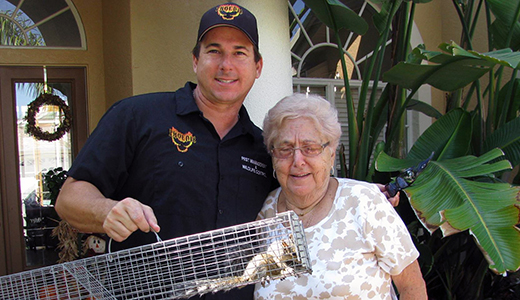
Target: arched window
x=313 y=48
x=36 y=23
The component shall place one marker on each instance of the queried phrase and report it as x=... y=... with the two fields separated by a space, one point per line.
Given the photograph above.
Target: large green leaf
x=337 y=15
x=448 y=137
x=452 y=69
x=505 y=23
x=380 y=19
x=448 y=74
x=508 y=101
x=505 y=57
x=445 y=196
x=500 y=35
x=506 y=138
x=448 y=77
x=425 y=108
x=504 y=9
x=514 y=101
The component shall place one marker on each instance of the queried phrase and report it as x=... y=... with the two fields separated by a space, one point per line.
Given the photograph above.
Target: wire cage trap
x=222 y=259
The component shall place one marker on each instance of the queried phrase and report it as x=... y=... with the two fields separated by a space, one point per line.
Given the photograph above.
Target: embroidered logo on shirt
x=183 y=141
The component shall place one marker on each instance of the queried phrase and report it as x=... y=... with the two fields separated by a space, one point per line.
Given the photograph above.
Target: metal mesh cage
x=197 y=264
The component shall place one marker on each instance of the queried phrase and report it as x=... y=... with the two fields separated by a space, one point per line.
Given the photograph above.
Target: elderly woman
x=358 y=244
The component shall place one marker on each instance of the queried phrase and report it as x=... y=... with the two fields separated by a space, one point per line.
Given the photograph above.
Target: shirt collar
x=185 y=100
x=186 y=105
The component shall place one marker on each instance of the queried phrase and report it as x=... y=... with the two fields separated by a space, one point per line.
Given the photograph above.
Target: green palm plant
x=482 y=203
x=463 y=189
x=13 y=34
x=8 y=33
x=458 y=192
x=362 y=123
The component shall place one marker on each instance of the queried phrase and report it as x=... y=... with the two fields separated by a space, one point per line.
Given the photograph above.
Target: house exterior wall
x=117 y=50
x=134 y=47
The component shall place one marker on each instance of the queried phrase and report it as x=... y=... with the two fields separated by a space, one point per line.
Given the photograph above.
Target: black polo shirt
x=159 y=149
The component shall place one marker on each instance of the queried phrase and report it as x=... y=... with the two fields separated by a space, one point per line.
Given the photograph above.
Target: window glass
x=41 y=163
x=36 y=23
x=313 y=46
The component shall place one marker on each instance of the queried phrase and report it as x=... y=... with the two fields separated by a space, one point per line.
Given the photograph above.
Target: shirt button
x=220 y=211
x=181 y=164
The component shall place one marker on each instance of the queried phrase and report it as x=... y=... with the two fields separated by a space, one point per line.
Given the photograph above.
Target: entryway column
x=276 y=79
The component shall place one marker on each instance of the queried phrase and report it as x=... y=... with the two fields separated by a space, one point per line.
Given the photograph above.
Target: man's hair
x=196 y=52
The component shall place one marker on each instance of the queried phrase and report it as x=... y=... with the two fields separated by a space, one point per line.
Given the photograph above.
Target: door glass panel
x=38 y=159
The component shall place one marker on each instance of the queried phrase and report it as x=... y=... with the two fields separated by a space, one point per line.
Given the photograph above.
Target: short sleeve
x=387 y=232
x=107 y=154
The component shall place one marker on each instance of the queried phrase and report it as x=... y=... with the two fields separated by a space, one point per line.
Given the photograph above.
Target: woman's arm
x=410 y=283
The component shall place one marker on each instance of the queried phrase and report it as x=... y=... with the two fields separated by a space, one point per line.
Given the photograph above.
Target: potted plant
x=52 y=182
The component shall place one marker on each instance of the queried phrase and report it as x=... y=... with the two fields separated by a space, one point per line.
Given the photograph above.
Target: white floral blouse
x=354 y=250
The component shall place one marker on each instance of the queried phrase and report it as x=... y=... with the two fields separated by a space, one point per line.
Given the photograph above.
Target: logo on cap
x=229 y=11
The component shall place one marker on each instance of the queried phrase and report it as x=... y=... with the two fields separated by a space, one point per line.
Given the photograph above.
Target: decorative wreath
x=34 y=107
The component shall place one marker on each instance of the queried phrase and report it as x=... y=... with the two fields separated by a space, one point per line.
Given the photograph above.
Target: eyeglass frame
x=299 y=148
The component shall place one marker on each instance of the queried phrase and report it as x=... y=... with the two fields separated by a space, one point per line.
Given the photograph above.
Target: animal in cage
x=276 y=262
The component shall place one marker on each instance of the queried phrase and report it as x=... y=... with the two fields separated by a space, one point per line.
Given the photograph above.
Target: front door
x=31 y=157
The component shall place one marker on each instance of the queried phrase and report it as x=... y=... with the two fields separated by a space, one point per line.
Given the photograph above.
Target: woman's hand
x=393 y=200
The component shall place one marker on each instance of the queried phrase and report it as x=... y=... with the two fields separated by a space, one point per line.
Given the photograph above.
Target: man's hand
x=393 y=200
x=127 y=216
x=83 y=206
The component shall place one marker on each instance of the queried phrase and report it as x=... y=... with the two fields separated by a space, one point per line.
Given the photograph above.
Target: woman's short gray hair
x=299 y=105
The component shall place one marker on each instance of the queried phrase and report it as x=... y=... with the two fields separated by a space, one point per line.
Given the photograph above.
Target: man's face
x=226 y=68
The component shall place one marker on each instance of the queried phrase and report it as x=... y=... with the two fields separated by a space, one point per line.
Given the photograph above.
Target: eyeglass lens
x=307 y=150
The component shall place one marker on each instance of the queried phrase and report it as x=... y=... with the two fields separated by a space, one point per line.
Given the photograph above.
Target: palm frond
x=447 y=195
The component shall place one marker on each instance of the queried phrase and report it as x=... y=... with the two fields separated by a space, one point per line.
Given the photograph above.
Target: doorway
x=28 y=159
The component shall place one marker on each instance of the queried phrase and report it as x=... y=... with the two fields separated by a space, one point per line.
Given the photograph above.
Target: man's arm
x=83 y=206
x=410 y=283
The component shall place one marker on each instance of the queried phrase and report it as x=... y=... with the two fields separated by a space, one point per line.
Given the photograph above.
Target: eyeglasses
x=308 y=150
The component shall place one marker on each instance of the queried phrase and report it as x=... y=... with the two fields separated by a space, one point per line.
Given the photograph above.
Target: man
x=189 y=161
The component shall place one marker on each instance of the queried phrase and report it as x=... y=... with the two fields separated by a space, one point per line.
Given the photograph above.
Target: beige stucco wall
x=276 y=79
x=428 y=18
x=117 y=53
x=163 y=35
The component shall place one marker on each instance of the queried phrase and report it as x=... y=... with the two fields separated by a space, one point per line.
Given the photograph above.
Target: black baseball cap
x=232 y=15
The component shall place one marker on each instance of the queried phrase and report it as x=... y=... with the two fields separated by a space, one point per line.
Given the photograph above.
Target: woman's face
x=302 y=177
